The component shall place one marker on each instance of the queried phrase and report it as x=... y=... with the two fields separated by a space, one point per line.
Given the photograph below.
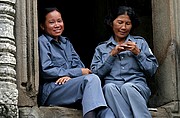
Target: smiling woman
x=54 y=26
x=64 y=80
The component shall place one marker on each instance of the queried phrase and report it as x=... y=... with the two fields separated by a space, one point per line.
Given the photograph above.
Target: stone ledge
x=160 y=113
x=49 y=112
x=63 y=112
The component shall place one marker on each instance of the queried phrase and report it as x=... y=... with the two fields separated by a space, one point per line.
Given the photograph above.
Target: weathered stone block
x=49 y=112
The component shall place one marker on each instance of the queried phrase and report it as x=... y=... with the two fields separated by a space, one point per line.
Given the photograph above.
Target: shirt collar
x=61 y=38
x=112 y=41
x=130 y=38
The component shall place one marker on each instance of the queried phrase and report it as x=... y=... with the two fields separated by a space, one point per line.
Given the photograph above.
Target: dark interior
x=84 y=26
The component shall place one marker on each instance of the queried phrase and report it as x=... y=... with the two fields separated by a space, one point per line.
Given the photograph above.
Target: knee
x=93 y=78
x=126 y=87
x=109 y=87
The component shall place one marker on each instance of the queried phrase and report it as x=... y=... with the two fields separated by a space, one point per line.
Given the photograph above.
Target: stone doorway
x=164 y=41
x=86 y=28
x=84 y=21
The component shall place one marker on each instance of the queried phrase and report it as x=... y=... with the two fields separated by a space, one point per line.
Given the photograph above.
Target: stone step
x=49 y=112
x=62 y=112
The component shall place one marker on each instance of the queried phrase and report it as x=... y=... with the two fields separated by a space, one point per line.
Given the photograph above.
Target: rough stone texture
x=160 y=113
x=166 y=43
x=49 y=112
x=8 y=87
x=27 y=74
x=165 y=20
x=8 y=111
x=8 y=95
x=62 y=112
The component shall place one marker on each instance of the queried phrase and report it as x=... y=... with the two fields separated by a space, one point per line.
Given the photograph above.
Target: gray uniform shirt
x=124 y=67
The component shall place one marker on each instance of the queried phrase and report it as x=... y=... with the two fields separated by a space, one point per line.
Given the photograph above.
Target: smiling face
x=53 y=24
x=121 y=27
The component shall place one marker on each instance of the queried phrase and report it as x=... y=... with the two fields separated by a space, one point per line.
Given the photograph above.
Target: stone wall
x=166 y=40
x=19 y=61
x=8 y=87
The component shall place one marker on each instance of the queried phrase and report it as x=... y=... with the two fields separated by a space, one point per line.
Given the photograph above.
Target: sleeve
x=50 y=70
x=101 y=65
x=146 y=60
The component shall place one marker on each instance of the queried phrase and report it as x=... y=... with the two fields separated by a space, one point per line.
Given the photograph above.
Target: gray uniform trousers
x=84 y=89
x=126 y=100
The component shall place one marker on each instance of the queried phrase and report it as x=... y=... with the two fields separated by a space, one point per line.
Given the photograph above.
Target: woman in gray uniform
x=64 y=81
x=124 y=62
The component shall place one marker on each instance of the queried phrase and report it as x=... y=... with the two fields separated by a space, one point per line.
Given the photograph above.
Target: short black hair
x=120 y=10
x=42 y=17
x=44 y=12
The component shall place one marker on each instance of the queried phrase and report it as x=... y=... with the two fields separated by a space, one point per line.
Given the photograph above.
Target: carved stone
x=8 y=87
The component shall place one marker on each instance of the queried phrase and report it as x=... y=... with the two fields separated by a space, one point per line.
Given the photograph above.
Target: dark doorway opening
x=78 y=21
x=83 y=20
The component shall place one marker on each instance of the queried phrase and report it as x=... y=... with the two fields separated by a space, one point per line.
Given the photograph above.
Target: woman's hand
x=117 y=50
x=131 y=46
x=62 y=80
x=86 y=71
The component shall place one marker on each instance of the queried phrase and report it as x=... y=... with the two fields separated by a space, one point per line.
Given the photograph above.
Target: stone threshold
x=63 y=112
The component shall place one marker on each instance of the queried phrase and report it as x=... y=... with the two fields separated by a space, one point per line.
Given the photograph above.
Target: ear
x=42 y=26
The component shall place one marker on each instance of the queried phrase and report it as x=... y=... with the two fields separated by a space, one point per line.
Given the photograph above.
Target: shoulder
x=65 y=40
x=102 y=44
x=42 y=39
x=138 y=37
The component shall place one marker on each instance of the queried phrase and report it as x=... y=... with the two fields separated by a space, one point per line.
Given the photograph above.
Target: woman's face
x=53 y=25
x=121 y=27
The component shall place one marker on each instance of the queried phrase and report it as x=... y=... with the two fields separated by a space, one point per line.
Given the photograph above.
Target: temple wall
x=19 y=75
x=8 y=87
x=166 y=40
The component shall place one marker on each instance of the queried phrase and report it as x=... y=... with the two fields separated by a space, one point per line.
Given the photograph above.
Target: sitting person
x=124 y=62
x=64 y=79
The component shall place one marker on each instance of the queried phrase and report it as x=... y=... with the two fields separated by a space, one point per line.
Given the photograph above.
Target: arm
x=147 y=61
x=143 y=54
x=102 y=62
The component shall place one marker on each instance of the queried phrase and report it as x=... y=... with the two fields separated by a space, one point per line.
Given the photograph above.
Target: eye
x=59 y=21
x=128 y=23
x=51 y=21
x=120 y=22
